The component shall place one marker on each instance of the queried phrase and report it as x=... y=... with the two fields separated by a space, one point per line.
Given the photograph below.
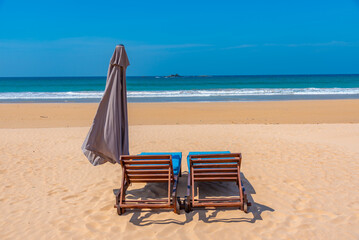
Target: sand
x=81 y=115
x=302 y=178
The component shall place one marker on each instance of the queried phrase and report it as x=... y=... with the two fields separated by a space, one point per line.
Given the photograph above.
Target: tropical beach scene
x=179 y=120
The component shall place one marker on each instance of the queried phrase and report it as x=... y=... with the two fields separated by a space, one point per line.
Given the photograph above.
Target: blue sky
x=77 y=38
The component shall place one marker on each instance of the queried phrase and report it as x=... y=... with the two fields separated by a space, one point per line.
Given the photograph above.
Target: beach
x=300 y=166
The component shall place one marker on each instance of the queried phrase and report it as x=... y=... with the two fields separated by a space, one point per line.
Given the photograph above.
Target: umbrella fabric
x=108 y=135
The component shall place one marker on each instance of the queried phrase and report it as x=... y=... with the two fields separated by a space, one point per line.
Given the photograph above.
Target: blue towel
x=176 y=159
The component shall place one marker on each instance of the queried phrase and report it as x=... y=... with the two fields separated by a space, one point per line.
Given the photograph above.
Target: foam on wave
x=182 y=93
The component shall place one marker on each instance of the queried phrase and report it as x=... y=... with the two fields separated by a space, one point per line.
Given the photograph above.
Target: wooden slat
x=134 y=176
x=215 y=160
x=215 y=178
x=142 y=167
x=221 y=204
x=150 y=200
x=215 y=174
x=149 y=171
x=126 y=157
x=192 y=184
x=218 y=199
x=208 y=170
x=146 y=162
x=145 y=205
x=169 y=186
x=227 y=165
x=239 y=184
x=144 y=180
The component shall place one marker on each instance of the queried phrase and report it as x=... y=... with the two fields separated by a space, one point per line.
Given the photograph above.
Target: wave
x=181 y=93
x=245 y=92
x=49 y=95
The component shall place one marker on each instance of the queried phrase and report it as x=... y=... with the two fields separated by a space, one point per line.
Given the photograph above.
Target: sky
x=77 y=38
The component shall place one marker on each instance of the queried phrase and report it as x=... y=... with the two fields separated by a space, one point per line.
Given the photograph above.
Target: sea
x=183 y=89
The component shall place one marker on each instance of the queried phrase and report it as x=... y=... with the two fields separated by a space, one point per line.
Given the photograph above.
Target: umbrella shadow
x=213 y=189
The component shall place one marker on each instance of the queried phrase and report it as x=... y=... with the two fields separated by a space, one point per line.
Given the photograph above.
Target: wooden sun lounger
x=215 y=167
x=147 y=169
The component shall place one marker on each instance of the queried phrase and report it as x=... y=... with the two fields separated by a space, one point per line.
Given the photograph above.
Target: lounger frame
x=215 y=167
x=146 y=169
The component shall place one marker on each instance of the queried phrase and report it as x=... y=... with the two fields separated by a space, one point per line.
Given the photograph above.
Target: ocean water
x=188 y=88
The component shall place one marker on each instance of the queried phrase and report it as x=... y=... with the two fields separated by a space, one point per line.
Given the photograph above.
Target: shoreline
x=48 y=115
x=194 y=98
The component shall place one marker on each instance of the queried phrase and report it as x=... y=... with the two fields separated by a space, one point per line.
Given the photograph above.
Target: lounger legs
x=187 y=204
x=187 y=200
x=175 y=199
x=119 y=195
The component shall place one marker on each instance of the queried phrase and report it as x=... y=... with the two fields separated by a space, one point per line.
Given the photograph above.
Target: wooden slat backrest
x=216 y=167
x=147 y=168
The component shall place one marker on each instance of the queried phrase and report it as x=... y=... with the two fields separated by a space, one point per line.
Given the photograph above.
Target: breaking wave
x=181 y=93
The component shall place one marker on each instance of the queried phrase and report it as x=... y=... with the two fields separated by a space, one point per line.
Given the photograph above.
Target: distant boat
x=173 y=76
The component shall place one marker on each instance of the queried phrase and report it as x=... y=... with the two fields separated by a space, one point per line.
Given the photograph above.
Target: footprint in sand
x=99 y=217
x=107 y=207
x=56 y=191
x=301 y=203
x=93 y=227
x=88 y=212
x=69 y=197
x=115 y=229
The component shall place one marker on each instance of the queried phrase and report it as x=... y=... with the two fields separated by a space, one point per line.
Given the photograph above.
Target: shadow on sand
x=214 y=189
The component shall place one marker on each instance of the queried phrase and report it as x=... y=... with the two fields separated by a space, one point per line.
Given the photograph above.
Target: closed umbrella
x=108 y=135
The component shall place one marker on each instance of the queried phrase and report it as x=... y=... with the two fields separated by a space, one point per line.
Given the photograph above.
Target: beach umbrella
x=108 y=135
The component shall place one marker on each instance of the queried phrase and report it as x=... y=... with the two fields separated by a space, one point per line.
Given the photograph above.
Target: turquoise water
x=189 y=88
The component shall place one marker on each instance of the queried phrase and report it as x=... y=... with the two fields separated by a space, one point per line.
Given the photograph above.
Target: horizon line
x=200 y=75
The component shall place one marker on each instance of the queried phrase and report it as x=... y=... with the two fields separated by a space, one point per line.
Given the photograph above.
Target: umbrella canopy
x=108 y=135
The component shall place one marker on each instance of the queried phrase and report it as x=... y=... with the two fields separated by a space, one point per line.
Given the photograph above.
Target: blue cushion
x=176 y=159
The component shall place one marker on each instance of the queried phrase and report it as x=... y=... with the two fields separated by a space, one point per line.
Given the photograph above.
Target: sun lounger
x=214 y=166
x=147 y=168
